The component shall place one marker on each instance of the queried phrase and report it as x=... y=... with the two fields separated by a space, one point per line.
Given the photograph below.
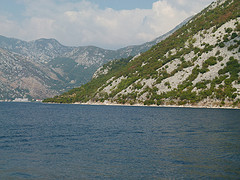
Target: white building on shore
x=21 y=100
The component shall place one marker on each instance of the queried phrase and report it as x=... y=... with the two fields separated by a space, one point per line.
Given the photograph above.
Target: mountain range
x=44 y=68
x=197 y=65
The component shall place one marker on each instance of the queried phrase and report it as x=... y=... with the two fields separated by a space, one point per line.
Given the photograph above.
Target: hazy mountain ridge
x=70 y=66
x=41 y=50
x=197 y=65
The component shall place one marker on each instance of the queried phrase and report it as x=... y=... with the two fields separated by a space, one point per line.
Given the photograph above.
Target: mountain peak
x=45 y=40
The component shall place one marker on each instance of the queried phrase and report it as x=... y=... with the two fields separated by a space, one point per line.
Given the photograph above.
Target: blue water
x=53 y=141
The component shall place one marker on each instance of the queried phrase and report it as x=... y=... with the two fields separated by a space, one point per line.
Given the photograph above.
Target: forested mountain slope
x=196 y=65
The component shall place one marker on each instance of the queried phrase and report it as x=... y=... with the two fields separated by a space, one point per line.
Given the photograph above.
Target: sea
x=67 y=141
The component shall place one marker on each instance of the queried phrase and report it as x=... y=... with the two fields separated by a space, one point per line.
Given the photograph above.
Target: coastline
x=166 y=106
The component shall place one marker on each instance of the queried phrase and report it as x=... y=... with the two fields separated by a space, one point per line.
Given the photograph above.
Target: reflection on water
x=42 y=141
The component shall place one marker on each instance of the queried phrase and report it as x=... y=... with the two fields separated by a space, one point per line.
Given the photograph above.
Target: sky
x=109 y=24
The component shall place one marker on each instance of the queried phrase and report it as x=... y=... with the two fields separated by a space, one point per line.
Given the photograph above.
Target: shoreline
x=136 y=105
x=139 y=105
x=165 y=106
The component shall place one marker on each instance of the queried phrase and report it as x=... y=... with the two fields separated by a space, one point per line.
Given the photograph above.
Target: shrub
x=234 y=35
x=149 y=102
x=210 y=61
x=137 y=85
x=196 y=50
x=220 y=58
x=228 y=30
x=237 y=27
x=217 y=53
x=202 y=85
x=221 y=45
x=203 y=70
x=195 y=58
x=188 y=95
x=225 y=38
x=230 y=48
x=167 y=84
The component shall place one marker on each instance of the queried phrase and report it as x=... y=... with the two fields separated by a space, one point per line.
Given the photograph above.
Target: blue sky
x=110 y=24
x=124 y=4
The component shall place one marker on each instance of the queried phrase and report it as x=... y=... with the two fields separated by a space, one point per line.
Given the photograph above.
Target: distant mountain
x=53 y=66
x=197 y=65
x=41 y=50
x=22 y=77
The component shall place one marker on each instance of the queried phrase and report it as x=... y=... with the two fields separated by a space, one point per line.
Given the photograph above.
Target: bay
x=59 y=141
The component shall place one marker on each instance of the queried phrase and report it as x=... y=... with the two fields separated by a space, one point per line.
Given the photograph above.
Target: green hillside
x=196 y=65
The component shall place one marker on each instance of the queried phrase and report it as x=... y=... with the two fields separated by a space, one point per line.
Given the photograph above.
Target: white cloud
x=189 y=5
x=84 y=23
x=6 y=25
x=181 y=2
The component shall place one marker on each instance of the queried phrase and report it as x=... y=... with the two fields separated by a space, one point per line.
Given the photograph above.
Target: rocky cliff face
x=197 y=65
x=44 y=67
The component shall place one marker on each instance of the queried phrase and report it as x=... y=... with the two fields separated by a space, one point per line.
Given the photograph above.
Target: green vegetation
x=73 y=70
x=87 y=91
x=154 y=64
x=210 y=62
